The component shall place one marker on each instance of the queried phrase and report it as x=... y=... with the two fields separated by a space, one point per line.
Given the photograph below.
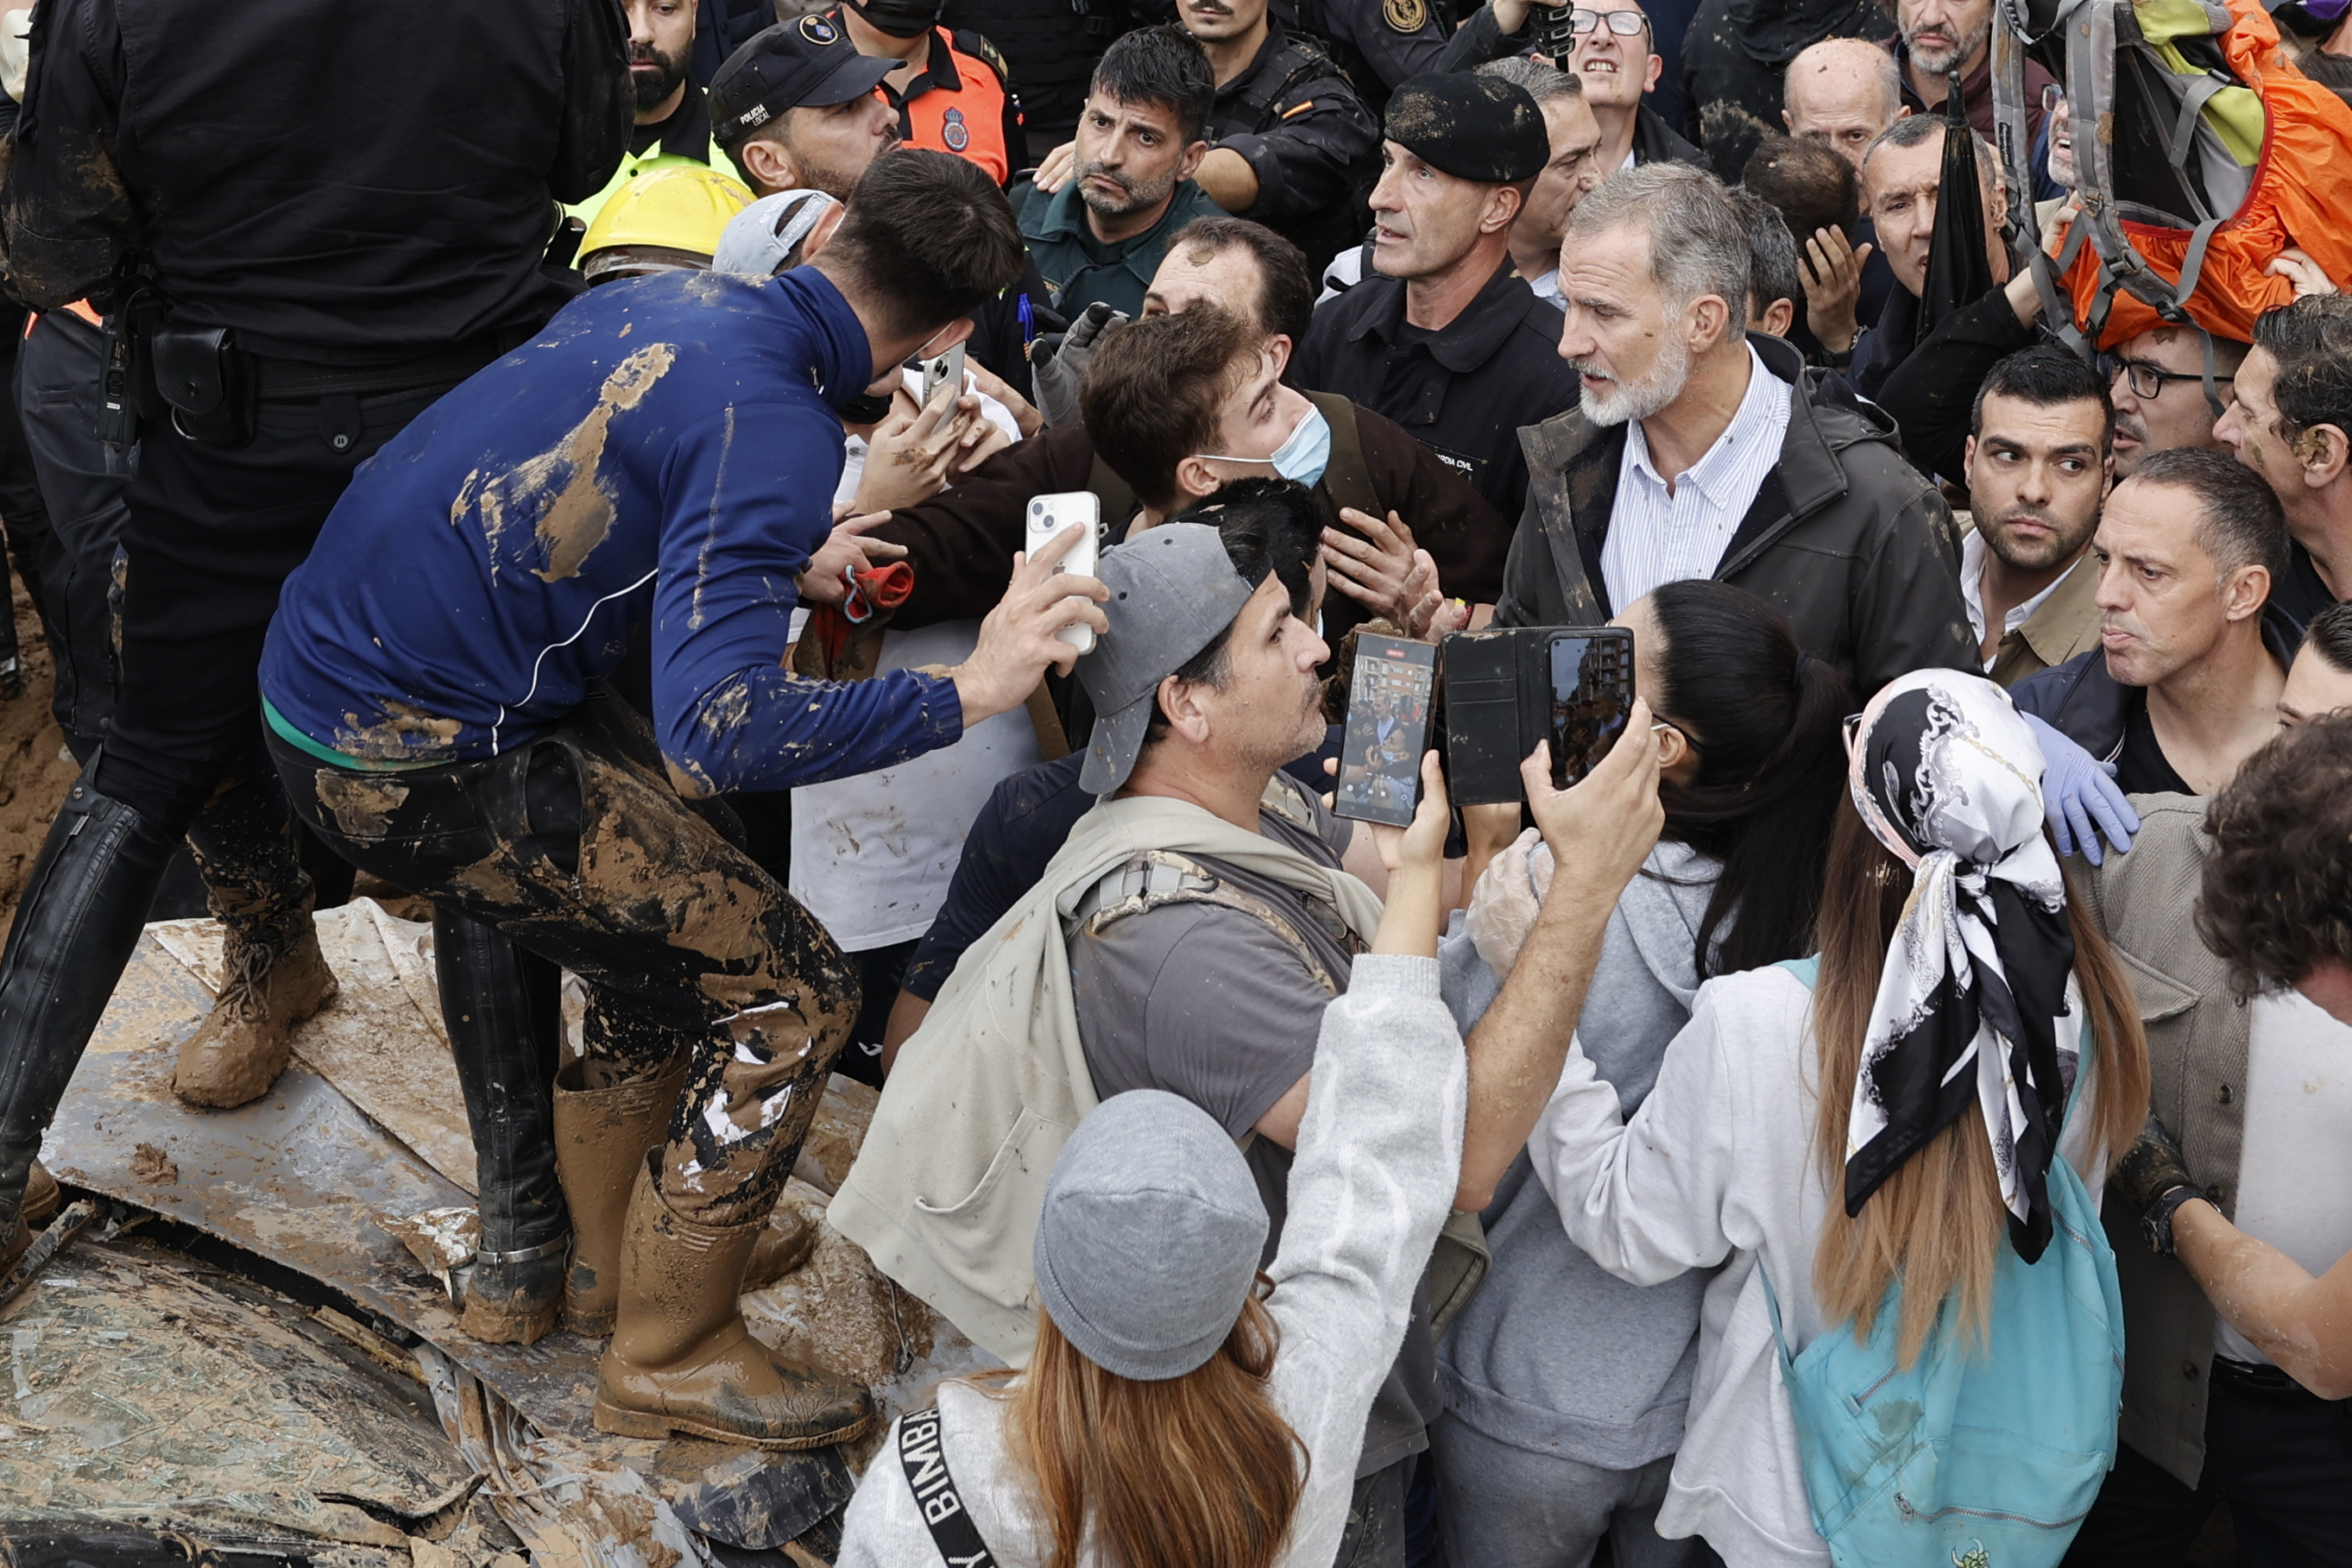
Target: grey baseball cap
x=1150 y=1235
x=1172 y=590
x=759 y=240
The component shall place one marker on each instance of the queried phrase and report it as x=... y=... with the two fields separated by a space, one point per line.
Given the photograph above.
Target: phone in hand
x=1388 y=730
x=1592 y=697
x=1508 y=687
x=940 y=371
x=1051 y=514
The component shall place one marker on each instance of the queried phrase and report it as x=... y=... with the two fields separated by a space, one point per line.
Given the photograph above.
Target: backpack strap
x=1347 y=476
x=941 y=1506
x=1156 y=878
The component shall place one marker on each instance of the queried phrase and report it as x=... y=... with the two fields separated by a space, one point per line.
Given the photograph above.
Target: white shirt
x=1547 y=287
x=871 y=855
x=1973 y=551
x=1655 y=536
x=2295 y=1178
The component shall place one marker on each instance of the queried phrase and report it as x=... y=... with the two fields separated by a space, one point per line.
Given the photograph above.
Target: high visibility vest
x=688 y=140
x=963 y=104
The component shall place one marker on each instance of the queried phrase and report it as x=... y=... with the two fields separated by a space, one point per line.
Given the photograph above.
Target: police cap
x=1470 y=126
x=808 y=60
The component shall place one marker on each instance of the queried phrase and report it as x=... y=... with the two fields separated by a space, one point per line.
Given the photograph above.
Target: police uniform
x=1376 y=44
x=962 y=102
x=1307 y=137
x=329 y=257
x=1463 y=389
x=1078 y=268
x=1052 y=47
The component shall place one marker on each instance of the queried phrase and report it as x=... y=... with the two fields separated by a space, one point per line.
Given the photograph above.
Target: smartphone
x=1592 y=697
x=1048 y=515
x=1388 y=730
x=947 y=367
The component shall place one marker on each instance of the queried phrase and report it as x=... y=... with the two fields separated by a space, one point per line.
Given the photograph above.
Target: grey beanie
x=1148 y=1241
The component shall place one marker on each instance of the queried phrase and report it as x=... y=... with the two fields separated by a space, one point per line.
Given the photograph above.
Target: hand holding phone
x=943 y=369
x=1388 y=730
x=1591 y=697
x=1056 y=514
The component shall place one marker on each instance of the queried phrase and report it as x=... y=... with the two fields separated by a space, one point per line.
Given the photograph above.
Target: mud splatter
x=151 y=1166
x=362 y=807
x=558 y=492
x=402 y=733
x=726 y=708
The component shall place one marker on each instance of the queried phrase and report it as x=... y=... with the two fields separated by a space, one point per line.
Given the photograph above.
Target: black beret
x=1470 y=126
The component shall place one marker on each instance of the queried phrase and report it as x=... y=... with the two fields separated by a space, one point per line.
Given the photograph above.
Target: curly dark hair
x=2277 y=899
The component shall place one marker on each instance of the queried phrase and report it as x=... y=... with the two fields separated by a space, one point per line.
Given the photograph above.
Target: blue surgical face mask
x=1307 y=453
x=1303 y=457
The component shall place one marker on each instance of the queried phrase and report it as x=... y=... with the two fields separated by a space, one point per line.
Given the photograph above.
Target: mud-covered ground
x=35 y=772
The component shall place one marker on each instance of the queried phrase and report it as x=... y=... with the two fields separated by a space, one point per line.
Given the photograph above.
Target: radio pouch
x=209 y=383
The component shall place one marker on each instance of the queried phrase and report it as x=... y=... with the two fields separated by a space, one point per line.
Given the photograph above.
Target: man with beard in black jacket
x=1699 y=451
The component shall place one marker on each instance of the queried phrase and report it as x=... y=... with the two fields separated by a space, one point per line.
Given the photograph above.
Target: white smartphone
x=947 y=366
x=1050 y=515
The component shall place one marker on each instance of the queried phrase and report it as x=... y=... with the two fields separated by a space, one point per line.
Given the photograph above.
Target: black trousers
x=575 y=847
x=2280 y=1456
x=58 y=367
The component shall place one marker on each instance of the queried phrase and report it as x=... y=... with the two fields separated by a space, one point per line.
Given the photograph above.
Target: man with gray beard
x=1698 y=449
x=1098 y=213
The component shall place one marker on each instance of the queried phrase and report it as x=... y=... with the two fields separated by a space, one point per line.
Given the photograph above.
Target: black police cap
x=806 y=61
x=1470 y=126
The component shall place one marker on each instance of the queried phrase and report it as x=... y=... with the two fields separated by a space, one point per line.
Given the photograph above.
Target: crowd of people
x=579 y=463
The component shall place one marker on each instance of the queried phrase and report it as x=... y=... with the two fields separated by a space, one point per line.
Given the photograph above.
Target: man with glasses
x=1611 y=49
x=2158 y=385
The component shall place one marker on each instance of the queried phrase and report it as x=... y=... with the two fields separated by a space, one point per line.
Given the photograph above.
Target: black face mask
x=865 y=408
x=899 y=18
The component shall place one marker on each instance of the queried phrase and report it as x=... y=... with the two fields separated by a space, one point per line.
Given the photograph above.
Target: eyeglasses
x=1625 y=23
x=1688 y=738
x=2052 y=95
x=2146 y=380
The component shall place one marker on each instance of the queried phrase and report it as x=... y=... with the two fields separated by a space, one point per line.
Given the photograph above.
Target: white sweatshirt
x=1718 y=1165
x=1380 y=1153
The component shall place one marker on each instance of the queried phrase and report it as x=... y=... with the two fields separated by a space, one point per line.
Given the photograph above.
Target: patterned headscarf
x=1949 y=777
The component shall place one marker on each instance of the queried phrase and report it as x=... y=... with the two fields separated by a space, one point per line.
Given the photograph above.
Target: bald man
x=1732 y=70
x=1842 y=92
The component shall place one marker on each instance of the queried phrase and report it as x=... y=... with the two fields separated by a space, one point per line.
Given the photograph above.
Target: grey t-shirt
x=1207 y=1002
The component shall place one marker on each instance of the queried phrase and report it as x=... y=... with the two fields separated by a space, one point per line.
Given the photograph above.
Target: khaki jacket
x=2197 y=1047
x=2067 y=624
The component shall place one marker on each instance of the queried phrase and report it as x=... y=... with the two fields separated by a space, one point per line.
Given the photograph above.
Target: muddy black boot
x=245 y=847
x=84 y=906
x=503 y=1011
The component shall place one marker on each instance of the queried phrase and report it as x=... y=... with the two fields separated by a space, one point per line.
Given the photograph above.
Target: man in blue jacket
x=666 y=454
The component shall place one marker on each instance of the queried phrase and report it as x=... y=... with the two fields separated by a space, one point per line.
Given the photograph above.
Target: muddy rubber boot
x=601 y=1139
x=786 y=1242
x=38 y=1207
x=681 y=1359
x=85 y=906
x=502 y=1009
x=277 y=979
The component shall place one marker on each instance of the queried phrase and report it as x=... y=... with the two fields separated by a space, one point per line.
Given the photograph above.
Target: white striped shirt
x=1658 y=536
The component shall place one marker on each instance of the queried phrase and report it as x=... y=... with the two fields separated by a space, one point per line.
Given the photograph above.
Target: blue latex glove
x=2077 y=789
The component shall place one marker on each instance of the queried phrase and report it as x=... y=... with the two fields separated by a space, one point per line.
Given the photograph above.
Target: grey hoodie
x=1554 y=1355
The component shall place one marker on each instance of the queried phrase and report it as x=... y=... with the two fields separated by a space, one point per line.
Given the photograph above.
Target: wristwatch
x=2156 y=1224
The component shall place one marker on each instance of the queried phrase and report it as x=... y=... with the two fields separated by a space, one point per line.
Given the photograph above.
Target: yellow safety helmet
x=665 y=219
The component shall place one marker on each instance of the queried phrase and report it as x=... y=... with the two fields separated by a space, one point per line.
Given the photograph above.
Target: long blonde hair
x=1937 y=1222
x=1198 y=1471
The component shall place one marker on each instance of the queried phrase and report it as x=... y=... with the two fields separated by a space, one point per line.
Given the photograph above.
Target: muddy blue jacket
x=666 y=450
